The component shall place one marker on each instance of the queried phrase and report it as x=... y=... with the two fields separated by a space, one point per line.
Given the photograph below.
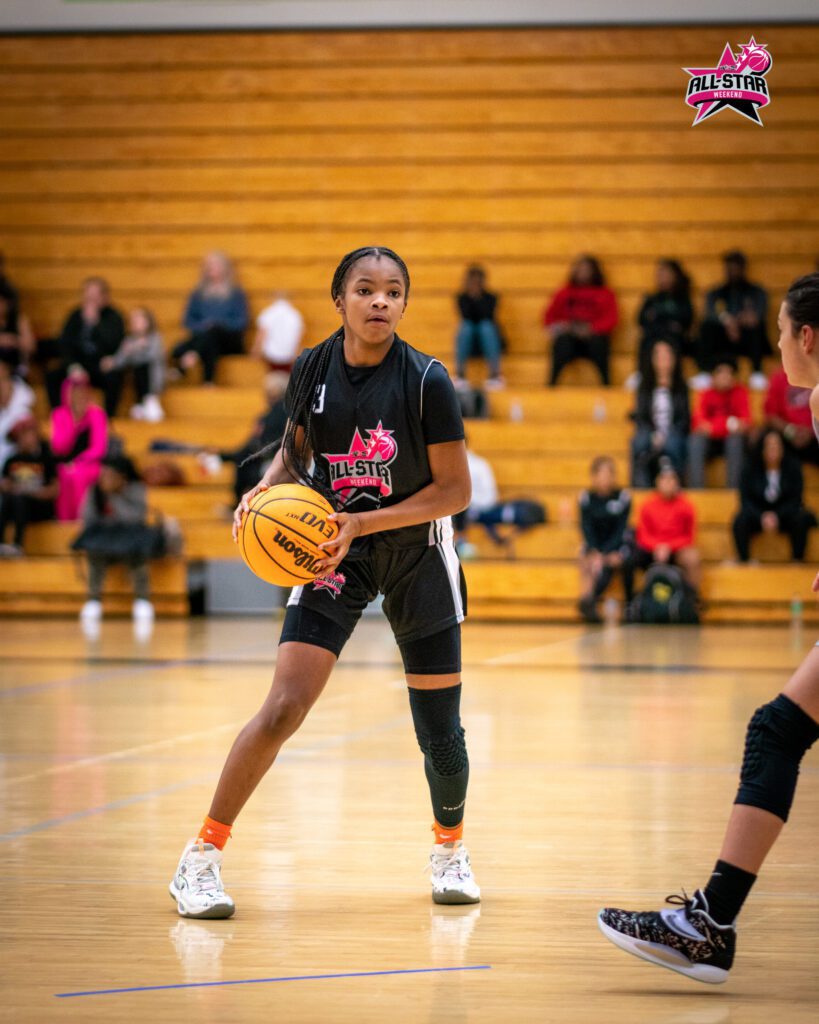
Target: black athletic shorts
x=423 y=587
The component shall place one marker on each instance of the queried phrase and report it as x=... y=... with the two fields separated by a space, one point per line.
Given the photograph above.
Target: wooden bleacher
x=130 y=156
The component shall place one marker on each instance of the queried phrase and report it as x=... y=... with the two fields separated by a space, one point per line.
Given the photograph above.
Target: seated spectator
x=666 y=314
x=79 y=438
x=665 y=528
x=787 y=409
x=580 y=319
x=143 y=353
x=16 y=336
x=117 y=498
x=268 y=429
x=607 y=541
x=279 y=330
x=216 y=316
x=28 y=485
x=722 y=418
x=734 y=324
x=93 y=330
x=770 y=497
x=16 y=402
x=661 y=416
x=478 y=332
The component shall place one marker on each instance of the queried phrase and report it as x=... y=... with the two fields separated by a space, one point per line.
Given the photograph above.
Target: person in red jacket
x=580 y=318
x=720 y=424
x=665 y=527
x=787 y=410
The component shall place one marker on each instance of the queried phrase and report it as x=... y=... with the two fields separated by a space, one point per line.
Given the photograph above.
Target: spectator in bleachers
x=269 y=427
x=117 y=498
x=478 y=333
x=720 y=425
x=771 y=497
x=661 y=416
x=787 y=409
x=279 y=330
x=608 y=544
x=580 y=319
x=28 y=485
x=16 y=336
x=666 y=526
x=666 y=314
x=79 y=439
x=734 y=324
x=92 y=331
x=216 y=316
x=142 y=353
x=16 y=401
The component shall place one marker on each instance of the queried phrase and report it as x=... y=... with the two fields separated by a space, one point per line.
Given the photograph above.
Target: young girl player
x=382 y=423
x=698 y=937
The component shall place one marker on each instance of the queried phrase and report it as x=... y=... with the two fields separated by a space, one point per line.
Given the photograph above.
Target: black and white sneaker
x=686 y=939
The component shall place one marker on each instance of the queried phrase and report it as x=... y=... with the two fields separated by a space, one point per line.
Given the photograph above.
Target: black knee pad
x=437 y=720
x=779 y=734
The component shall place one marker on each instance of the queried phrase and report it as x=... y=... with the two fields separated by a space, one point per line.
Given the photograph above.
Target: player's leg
x=699 y=938
x=688 y=559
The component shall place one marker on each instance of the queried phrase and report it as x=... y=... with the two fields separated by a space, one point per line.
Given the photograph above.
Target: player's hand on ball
x=349 y=527
x=242 y=508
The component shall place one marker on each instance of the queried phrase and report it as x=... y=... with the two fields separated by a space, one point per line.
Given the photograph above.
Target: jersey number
x=318 y=406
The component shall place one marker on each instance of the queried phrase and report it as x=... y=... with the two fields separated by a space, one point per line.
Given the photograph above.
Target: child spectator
x=580 y=319
x=28 y=485
x=118 y=498
x=666 y=314
x=142 y=352
x=665 y=528
x=787 y=409
x=734 y=324
x=722 y=417
x=16 y=336
x=279 y=330
x=16 y=401
x=216 y=316
x=92 y=331
x=661 y=416
x=478 y=332
x=771 y=498
x=79 y=438
x=607 y=543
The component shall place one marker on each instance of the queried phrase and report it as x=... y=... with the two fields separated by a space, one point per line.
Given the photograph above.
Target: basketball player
x=698 y=937
x=383 y=425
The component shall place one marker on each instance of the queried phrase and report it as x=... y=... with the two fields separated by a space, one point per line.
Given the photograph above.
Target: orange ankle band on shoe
x=448 y=835
x=213 y=831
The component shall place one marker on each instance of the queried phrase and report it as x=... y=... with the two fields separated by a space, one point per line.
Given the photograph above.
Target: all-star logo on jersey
x=365 y=465
x=332 y=583
x=737 y=81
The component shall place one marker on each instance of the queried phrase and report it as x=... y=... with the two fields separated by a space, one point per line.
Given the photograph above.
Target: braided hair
x=311 y=375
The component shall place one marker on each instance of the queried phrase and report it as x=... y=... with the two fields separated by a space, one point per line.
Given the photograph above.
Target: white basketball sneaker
x=452 y=878
x=197 y=884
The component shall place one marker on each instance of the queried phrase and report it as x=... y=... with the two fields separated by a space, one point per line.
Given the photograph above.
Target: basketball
x=280 y=535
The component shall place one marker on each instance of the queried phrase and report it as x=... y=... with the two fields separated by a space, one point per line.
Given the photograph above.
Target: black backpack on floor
x=666 y=598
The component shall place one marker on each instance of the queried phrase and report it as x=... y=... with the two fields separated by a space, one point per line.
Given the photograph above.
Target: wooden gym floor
x=603 y=765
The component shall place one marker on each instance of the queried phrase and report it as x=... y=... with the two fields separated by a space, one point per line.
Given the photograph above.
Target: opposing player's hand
x=243 y=507
x=349 y=527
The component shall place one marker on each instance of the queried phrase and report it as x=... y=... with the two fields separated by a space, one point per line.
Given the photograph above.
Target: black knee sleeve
x=779 y=734
x=437 y=720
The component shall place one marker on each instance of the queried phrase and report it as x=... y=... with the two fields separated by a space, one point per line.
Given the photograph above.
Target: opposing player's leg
x=302 y=670
x=698 y=938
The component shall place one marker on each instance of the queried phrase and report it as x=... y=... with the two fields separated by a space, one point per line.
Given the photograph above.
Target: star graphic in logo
x=709 y=93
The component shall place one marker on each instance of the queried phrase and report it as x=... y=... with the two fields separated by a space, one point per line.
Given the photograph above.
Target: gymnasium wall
x=131 y=155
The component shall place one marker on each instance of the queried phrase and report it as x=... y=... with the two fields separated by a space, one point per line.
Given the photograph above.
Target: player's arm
x=449 y=492
x=276 y=473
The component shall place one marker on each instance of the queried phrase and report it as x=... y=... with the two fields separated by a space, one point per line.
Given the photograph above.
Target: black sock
x=726 y=891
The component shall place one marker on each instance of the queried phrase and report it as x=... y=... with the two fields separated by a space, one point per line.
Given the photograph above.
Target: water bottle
x=796 y=610
x=516 y=411
x=611 y=611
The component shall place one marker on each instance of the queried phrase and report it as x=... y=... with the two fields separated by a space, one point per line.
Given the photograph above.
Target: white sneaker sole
x=663 y=956
x=217 y=912
x=454 y=897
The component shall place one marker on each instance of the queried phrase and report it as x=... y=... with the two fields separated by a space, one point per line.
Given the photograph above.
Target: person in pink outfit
x=79 y=438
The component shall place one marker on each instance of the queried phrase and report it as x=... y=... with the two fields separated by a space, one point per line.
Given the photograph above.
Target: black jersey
x=369 y=432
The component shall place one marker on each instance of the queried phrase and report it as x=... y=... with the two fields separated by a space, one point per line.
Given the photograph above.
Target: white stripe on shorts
x=452 y=565
x=295 y=595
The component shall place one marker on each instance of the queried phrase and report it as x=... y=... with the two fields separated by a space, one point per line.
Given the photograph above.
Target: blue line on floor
x=267 y=981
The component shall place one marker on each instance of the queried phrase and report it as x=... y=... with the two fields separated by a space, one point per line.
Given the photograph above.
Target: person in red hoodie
x=665 y=527
x=787 y=410
x=722 y=417
x=580 y=318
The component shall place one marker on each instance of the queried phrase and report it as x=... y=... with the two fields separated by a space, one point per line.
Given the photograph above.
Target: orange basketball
x=281 y=533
